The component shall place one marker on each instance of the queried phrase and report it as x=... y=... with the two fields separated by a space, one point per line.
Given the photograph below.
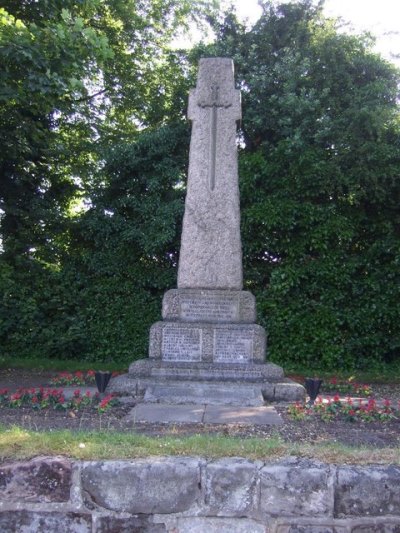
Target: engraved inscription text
x=181 y=344
x=209 y=309
x=233 y=346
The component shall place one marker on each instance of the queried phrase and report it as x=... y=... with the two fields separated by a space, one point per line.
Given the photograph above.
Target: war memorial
x=208 y=347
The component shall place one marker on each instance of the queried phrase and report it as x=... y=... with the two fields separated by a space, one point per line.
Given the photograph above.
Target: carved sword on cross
x=213 y=134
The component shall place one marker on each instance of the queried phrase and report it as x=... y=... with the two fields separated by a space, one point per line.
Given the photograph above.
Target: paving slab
x=208 y=414
x=156 y=412
x=221 y=414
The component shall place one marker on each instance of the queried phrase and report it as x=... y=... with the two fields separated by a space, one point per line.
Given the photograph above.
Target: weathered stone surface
x=296 y=487
x=264 y=415
x=367 y=492
x=240 y=394
x=43 y=479
x=155 y=485
x=203 y=342
x=213 y=525
x=205 y=414
x=147 y=374
x=311 y=528
x=283 y=391
x=211 y=251
x=201 y=371
x=224 y=495
x=132 y=524
x=196 y=305
x=44 y=522
x=166 y=413
x=385 y=525
x=231 y=487
x=320 y=526
x=142 y=377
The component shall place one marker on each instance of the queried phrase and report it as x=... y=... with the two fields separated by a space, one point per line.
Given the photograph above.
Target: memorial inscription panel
x=181 y=344
x=233 y=346
x=210 y=307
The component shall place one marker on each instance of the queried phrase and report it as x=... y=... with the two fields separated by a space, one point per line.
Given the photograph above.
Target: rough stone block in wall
x=44 y=522
x=232 y=487
x=130 y=524
x=373 y=491
x=154 y=485
x=203 y=524
x=296 y=487
x=38 y=480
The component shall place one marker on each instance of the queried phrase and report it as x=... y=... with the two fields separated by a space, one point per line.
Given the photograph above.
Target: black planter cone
x=312 y=386
x=102 y=379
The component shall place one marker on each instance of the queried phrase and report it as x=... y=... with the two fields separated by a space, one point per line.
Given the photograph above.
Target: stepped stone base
x=211 y=393
x=205 y=371
x=207 y=350
x=246 y=385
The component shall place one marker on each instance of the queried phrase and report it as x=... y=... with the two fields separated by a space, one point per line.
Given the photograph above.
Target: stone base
x=195 y=392
x=208 y=350
x=204 y=371
x=160 y=381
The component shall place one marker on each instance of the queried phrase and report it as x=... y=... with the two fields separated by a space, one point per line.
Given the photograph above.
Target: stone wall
x=190 y=494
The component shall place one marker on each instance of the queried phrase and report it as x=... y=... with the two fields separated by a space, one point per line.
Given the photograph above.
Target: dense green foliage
x=91 y=110
x=320 y=188
x=78 y=82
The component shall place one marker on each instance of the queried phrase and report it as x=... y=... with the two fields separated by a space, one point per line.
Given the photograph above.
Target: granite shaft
x=211 y=250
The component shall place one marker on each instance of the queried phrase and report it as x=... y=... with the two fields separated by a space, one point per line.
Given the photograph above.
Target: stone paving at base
x=204 y=414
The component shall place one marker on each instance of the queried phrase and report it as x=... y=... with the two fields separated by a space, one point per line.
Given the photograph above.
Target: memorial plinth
x=207 y=347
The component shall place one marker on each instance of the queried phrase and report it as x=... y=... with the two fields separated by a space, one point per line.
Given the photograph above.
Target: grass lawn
x=18 y=444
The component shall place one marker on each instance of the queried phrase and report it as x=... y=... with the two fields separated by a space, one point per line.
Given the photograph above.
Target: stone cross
x=211 y=251
x=208 y=348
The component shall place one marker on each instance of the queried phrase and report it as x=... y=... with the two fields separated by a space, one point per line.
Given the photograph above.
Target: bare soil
x=357 y=434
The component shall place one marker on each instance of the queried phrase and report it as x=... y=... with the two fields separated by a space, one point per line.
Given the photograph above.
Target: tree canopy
x=92 y=106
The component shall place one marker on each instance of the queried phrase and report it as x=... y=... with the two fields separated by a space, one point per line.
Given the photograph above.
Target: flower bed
x=47 y=398
x=346 y=387
x=346 y=409
x=68 y=379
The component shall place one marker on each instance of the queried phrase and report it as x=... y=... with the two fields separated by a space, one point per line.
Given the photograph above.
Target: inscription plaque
x=233 y=346
x=211 y=308
x=181 y=344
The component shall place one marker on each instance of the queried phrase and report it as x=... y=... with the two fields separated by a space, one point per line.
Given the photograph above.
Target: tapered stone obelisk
x=211 y=253
x=207 y=348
